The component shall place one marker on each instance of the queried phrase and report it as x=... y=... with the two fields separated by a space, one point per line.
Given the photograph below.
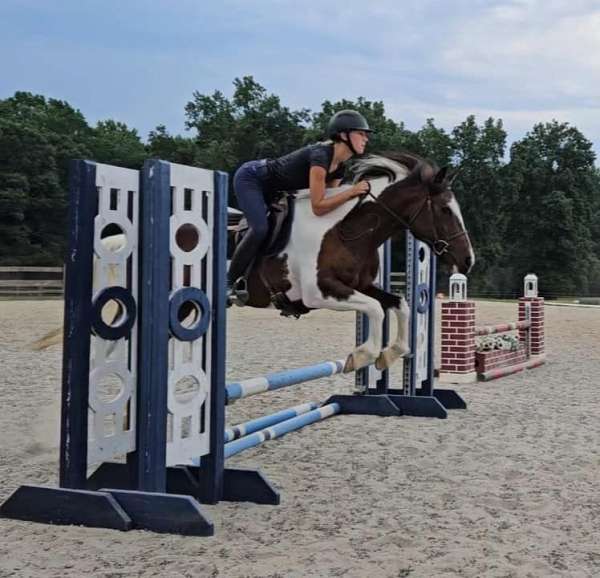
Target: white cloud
x=541 y=50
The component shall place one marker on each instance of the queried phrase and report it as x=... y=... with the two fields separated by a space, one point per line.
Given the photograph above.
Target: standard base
x=239 y=485
x=380 y=405
x=108 y=508
x=395 y=403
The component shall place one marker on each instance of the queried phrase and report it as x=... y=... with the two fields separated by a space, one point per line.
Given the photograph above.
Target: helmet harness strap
x=349 y=142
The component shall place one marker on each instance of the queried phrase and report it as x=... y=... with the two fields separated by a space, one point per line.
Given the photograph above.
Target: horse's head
x=437 y=219
x=418 y=196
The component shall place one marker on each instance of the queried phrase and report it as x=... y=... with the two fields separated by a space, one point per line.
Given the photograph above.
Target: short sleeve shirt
x=291 y=172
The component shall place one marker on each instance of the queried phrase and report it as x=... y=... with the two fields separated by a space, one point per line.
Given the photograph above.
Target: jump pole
x=280 y=429
x=238 y=431
x=277 y=380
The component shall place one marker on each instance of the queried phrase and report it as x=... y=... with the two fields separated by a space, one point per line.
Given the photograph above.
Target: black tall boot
x=239 y=267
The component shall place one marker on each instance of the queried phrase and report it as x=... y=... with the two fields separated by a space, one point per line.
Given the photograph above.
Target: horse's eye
x=446 y=210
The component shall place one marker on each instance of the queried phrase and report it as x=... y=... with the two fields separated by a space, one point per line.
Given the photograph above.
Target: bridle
x=438 y=246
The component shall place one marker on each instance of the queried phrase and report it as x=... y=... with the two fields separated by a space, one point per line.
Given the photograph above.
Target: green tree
x=114 y=143
x=435 y=143
x=37 y=137
x=252 y=124
x=555 y=209
x=177 y=149
x=481 y=190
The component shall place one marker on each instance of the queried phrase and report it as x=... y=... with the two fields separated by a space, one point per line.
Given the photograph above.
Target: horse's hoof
x=389 y=356
x=349 y=365
x=381 y=363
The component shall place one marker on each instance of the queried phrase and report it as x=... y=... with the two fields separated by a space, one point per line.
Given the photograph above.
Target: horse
x=331 y=261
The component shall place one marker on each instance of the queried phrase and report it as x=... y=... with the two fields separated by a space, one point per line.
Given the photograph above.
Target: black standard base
x=426 y=403
x=365 y=405
x=164 y=513
x=238 y=485
x=108 y=508
x=65 y=506
x=395 y=403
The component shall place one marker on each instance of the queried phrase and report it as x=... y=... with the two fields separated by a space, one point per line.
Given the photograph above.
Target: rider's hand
x=360 y=188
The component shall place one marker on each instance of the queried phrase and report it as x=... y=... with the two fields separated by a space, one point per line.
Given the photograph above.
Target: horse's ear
x=441 y=175
x=427 y=173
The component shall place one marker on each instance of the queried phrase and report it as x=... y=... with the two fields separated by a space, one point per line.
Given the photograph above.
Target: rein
x=439 y=246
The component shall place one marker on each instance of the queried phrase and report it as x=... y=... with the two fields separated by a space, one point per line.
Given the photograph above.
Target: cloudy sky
x=137 y=61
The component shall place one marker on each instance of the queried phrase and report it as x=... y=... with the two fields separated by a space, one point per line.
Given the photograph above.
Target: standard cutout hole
x=113 y=238
x=189 y=314
x=187 y=199
x=187 y=237
x=186 y=388
x=109 y=388
x=113 y=313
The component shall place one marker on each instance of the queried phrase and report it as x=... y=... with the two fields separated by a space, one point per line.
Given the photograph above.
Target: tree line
x=530 y=207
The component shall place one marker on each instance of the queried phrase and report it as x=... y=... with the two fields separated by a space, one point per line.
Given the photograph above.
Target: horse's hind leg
x=399 y=307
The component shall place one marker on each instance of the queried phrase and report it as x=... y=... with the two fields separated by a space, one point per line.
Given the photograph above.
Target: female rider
x=317 y=167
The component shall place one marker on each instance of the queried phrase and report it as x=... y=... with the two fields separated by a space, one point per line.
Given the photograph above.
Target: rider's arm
x=322 y=205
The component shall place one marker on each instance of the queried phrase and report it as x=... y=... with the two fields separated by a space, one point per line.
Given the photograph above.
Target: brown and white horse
x=331 y=261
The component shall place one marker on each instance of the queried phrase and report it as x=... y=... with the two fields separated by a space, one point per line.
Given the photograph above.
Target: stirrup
x=238 y=292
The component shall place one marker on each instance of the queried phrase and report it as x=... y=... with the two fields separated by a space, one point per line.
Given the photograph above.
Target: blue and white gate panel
x=113 y=343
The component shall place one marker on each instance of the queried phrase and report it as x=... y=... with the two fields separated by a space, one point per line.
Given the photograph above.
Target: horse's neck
x=392 y=209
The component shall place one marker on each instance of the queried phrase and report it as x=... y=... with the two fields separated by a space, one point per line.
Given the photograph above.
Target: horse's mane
x=396 y=166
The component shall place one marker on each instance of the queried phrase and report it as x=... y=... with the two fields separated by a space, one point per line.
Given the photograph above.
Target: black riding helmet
x=346 y=121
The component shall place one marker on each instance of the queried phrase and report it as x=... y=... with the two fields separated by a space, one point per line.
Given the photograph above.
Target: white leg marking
x=366 y=353
x=400 y=347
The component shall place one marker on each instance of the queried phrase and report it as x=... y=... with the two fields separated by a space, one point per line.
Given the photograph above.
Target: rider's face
x=359 y=140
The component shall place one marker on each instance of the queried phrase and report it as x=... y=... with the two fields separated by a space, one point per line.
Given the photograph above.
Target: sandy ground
x=510 y=487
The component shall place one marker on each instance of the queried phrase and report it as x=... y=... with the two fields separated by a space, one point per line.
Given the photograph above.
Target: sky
x=139 y=62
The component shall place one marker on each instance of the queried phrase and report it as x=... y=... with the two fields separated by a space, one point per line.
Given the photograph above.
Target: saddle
x=280 y=216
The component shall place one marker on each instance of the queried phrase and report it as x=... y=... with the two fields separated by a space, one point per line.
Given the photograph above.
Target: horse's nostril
x=469 y=261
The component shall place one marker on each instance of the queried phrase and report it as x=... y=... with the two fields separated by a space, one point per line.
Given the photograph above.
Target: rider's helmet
x=346 y=121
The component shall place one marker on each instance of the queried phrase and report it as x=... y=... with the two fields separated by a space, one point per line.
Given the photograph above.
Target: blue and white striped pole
x=280 y=429
x=243 y=429
x=280 y=379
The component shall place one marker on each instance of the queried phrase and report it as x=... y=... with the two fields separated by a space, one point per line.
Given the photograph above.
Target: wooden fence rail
x=31 y=281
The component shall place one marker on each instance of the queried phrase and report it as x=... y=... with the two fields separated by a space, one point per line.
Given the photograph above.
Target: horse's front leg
x=399 y=307
x=366 y=353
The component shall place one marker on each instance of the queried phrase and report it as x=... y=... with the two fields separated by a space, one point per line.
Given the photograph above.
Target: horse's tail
x=52 y=338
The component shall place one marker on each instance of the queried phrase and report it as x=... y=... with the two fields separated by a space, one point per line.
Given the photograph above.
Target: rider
x=317 y=166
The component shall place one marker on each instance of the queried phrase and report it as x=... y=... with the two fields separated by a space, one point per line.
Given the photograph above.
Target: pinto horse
x=331 y=261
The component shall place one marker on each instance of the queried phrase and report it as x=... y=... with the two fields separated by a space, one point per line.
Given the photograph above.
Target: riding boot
x=239 y=268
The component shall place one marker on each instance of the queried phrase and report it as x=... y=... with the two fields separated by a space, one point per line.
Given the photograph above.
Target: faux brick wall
x=536 y=339
x=486 y=360
x=458 y=339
